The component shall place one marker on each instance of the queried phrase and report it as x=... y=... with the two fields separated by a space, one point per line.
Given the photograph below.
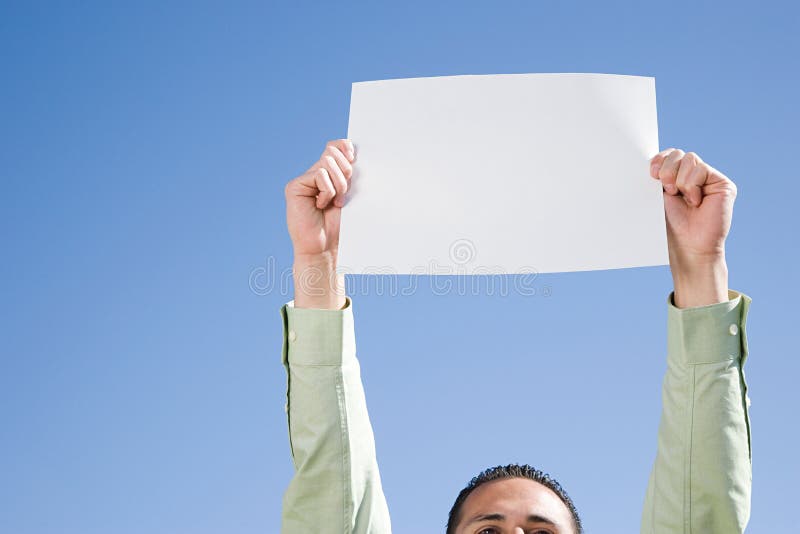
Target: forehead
x=516 y=498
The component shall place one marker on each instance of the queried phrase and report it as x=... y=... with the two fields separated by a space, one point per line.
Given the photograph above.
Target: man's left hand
x=698 y=203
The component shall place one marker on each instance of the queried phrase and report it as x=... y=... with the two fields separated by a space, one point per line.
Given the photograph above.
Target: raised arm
x=336 y=487
x=701 y=477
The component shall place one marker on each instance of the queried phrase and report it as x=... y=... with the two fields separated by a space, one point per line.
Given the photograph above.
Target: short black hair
x=512 y=471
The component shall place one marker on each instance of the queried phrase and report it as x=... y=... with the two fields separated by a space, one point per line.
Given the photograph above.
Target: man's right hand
x=314 y=202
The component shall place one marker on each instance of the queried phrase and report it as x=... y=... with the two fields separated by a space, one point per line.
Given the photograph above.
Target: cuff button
x=733 y=329
x=292 y=335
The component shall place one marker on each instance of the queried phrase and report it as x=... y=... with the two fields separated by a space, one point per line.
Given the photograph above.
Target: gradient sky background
x=144 y=152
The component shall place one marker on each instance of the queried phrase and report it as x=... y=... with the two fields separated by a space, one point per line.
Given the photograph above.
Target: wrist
x=700 y=283
x=316 y=282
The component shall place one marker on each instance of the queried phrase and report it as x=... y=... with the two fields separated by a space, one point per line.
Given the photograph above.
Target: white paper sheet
x=498 y=174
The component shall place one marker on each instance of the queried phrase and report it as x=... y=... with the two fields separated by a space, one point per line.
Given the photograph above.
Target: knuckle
x=323 y=180
x=333 y=144
x=675 y=156
x=668 y=173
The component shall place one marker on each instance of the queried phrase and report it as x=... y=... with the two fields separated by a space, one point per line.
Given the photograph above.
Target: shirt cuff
x=708 y=334
x=317 y=337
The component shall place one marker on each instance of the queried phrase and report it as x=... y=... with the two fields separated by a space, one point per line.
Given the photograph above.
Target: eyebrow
x=533 y=518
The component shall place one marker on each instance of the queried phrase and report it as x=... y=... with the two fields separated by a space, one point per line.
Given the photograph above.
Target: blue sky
x=144 y=152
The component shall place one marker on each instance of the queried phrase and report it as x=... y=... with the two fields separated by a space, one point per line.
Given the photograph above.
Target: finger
x=716 y=183
x=690 y=171
x=657 y=160
x=346 y=146
x=668 y=173
x=322 y=181
x=715 y=176
x=337 y=178
x=341 y=160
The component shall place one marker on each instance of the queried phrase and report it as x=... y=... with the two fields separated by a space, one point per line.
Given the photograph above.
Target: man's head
x=503 y=499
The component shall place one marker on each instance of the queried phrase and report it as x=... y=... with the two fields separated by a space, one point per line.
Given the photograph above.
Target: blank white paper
x=503 y=174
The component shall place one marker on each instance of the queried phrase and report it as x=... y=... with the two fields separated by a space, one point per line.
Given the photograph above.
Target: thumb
x=315 y=183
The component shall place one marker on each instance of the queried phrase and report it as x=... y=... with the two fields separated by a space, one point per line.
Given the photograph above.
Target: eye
x=489 y=530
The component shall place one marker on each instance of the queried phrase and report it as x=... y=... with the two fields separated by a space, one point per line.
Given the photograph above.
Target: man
x=701 y=477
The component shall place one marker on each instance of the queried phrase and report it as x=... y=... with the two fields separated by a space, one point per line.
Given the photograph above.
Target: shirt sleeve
x=336 y=487
x=701 y=478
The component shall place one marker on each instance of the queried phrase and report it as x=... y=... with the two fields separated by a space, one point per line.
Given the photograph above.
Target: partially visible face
x=514 y=506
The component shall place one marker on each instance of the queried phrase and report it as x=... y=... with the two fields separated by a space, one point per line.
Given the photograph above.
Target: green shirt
x=701 y=477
